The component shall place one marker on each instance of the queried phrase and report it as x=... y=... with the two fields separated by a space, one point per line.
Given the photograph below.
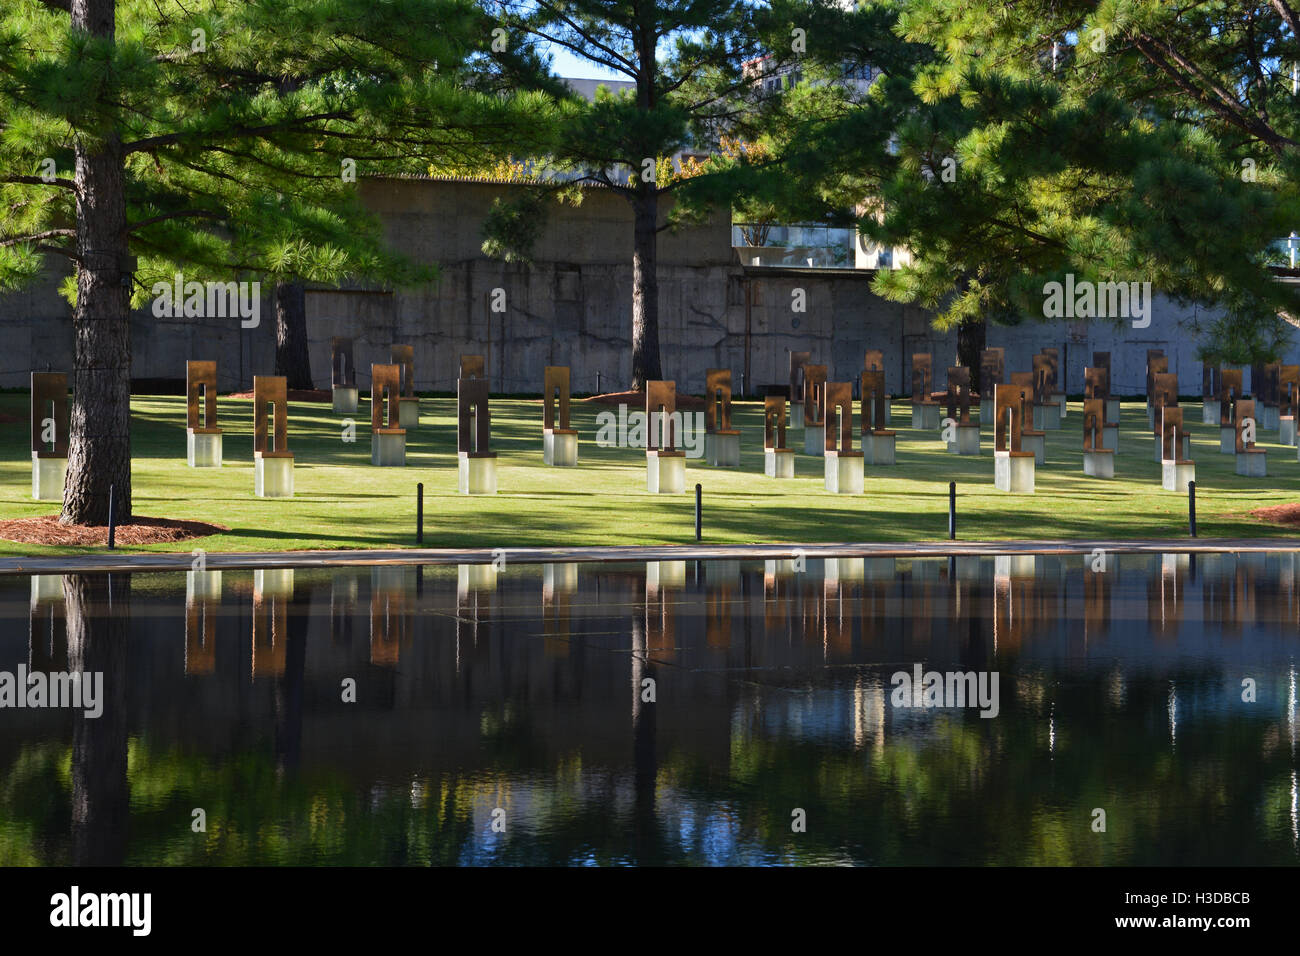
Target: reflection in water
x=202 y=601
x=98 y=609
x=675 y=712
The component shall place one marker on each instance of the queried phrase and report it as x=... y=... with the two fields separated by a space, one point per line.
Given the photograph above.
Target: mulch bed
x=1279 y=514
x=297 y=395
x=637 y=400
x=45 y=529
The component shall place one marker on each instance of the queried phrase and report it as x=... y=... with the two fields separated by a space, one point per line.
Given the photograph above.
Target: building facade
x=573 y=306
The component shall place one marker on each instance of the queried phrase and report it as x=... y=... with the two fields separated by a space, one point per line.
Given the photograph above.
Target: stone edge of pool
x=217 y=560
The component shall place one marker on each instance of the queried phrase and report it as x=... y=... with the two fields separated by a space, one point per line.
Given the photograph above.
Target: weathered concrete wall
x=37 y=324
x=573 y=306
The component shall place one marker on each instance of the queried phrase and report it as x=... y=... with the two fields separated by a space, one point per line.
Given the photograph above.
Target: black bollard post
x=1191 y=507
x=419 y=513
x=598 y=391
x=952 y=511
x=698 y=516
x=112 y=517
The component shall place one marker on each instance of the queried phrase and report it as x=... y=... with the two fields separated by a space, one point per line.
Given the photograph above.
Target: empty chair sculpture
x=878 y=442
x=843 y=473
x=343 y=376
x=403 y=356
x=1252 y=461
x=1101 y=360
x=1230 y=392
x=203 y=443
x=1164 y=394
x=797 y=362
x=387 y=436
x=1031 y=439
x=873 y=360
x=925 y=410
x=1098 y=460
x=992 y=372
x=721 y=441
x=1177 y=470
x=665 y=462
x=476 y=462
x=50 y=431
x=559 y=440
x=1013 y=466
x=1047 y=408
x=965 y=433
x=272 y=460
x=778 y=459
x=814 y=410
x=1096 y=386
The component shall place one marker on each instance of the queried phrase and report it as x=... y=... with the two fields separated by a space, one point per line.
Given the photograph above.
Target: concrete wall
x=572 y=306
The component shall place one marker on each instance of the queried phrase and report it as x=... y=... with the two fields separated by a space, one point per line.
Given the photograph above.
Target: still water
x=670 y=713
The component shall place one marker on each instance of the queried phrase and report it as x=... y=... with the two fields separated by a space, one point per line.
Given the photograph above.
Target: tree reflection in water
x=771 y=692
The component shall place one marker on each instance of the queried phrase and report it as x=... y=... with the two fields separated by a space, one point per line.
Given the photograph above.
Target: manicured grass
x=344 y=502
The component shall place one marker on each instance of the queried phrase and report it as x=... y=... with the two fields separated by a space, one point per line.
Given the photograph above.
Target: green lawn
x=344 y=502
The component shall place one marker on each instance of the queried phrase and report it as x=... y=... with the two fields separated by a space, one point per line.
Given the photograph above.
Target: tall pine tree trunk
x=291 y=356
x=99 y=451
x=98 y=608
x=645 y=289
x=970 y=343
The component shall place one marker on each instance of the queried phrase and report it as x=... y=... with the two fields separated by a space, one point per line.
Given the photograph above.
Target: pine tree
x=1006 y=145
x=687 y=64
x=139 y=138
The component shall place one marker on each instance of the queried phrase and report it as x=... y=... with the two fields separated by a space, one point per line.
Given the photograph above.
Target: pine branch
x=179 y=214
x=1221 y=102
x=1287 y=13
x=38 y=181
x=38 y=236
x=298 y=124
x=581 y=49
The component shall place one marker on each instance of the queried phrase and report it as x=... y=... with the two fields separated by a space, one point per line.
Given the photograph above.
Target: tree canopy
x=139 y=138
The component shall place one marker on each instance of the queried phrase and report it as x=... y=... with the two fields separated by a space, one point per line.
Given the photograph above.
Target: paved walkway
x=216 y=560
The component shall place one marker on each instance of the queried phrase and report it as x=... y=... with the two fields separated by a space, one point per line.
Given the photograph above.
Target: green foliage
x=240 y=141
x=686 y=64
x=1115 y=161
x=1160 y=149
x=513 y=226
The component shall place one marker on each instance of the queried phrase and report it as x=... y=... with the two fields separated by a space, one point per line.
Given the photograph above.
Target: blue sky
x=571 y=65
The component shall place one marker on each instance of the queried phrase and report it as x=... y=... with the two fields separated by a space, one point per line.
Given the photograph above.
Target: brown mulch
x=637 y=399
x=297 y=395
x=45 y=529
x=1279 y=514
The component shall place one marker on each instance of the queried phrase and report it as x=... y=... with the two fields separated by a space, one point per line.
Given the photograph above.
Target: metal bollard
x=698 y=507
x=952 y=511
x=112 y=517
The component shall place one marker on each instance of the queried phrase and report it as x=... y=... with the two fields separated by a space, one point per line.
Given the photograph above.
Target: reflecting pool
x=707 y=712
